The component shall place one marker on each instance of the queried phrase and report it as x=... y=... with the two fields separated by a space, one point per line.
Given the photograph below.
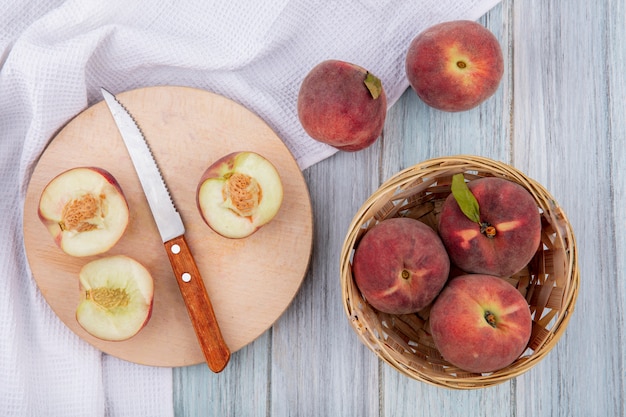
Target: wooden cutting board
x=250 y=281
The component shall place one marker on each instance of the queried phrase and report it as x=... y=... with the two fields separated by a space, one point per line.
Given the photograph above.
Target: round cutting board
x=250 y=281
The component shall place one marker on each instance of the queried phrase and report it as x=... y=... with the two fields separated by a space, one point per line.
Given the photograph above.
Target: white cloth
x=54 y=56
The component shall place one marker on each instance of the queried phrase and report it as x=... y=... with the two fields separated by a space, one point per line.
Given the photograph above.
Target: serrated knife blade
x=172 y=231
x=167 y=218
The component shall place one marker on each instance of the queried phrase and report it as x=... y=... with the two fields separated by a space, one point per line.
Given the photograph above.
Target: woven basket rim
x=424 y=173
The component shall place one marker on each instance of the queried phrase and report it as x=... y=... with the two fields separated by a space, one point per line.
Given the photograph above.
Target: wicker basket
x=550 y=281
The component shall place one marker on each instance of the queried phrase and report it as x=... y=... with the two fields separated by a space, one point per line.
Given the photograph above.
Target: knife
x=172 y=231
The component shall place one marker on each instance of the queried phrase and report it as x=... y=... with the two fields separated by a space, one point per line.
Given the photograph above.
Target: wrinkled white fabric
x=54 y=56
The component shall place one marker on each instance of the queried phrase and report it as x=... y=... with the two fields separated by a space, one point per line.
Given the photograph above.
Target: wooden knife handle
x=198 y=304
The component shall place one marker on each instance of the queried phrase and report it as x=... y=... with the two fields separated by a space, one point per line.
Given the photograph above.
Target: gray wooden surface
x=559 y=116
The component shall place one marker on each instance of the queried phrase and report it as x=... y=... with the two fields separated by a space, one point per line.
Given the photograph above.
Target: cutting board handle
x=216 y=352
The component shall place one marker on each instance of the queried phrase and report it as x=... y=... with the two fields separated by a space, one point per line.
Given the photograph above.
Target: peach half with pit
x=400 y=265
x=490 y=226
x=85 y=210
x=116 y=297
x=239 y=193
x=480 y=323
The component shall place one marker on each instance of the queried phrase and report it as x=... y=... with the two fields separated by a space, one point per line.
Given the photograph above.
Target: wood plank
x=563 y=101
x=615 y=24
x=319 y=368
x=241 y=389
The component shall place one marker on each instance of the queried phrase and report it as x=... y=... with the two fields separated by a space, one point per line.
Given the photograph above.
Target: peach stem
x=488 y=230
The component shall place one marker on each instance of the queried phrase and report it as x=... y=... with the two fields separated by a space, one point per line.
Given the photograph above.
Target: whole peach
x=343 y=105
x=480 y=323
x=507 y=237
x=400 y=265
x=455 y=66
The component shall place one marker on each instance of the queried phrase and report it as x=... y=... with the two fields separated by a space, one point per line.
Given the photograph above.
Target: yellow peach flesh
x=467 y=236
x=508 y=226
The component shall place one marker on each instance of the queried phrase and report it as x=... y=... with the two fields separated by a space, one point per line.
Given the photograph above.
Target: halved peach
x=239 y=193
x=116 y=297
x=84 y=210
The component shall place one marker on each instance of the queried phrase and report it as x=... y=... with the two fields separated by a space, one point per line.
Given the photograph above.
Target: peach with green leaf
x=490 y=226
x=342 y=104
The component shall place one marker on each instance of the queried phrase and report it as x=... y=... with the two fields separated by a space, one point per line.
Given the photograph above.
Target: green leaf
x=374 y=85
x=465 y=199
